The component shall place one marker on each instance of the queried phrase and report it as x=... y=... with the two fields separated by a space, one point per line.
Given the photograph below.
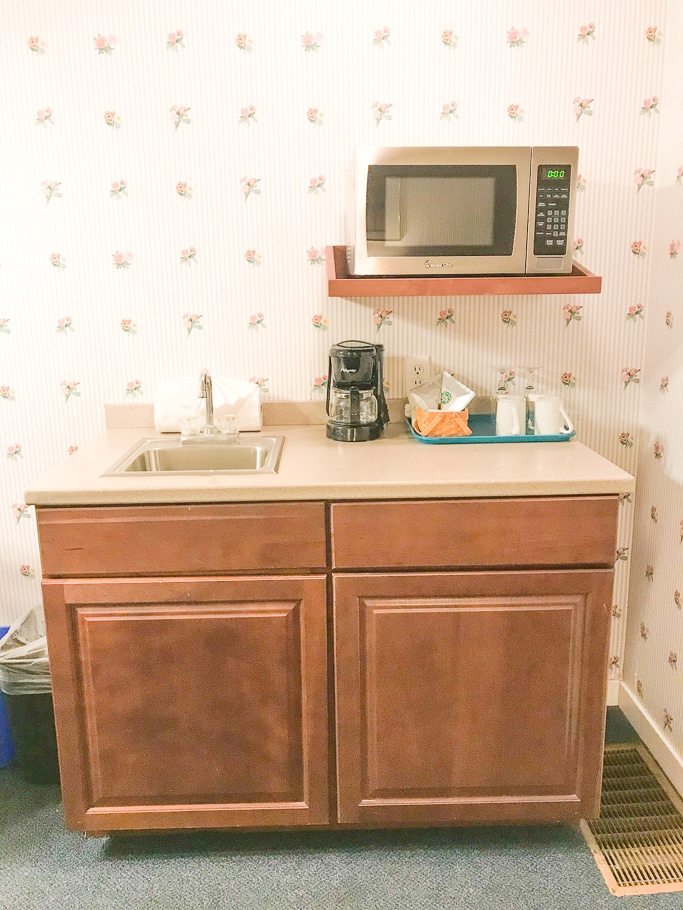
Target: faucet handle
x=190 y=425
x=228 y=428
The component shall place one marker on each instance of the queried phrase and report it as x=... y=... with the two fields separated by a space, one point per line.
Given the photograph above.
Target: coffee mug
x=510 y=415
x=550 y=418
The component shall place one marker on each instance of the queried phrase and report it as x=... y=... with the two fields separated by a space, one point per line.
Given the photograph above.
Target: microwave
x=453 y=210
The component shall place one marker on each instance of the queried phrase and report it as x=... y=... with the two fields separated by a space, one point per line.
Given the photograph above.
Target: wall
x=653 y=662
x=105 y=290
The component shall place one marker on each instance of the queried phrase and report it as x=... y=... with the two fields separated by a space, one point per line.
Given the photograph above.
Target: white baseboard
x=613 y=692
x=669 y=761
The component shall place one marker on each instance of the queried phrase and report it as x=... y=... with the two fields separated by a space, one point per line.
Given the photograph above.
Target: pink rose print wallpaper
x=153 y=232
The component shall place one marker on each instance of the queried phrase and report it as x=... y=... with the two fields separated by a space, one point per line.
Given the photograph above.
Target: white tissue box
x=178 y=398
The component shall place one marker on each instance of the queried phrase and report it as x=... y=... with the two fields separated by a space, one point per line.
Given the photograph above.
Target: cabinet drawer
x=495 y=533
x=182 y=540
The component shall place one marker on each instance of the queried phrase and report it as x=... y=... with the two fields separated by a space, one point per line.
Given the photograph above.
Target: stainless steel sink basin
x=161 y=456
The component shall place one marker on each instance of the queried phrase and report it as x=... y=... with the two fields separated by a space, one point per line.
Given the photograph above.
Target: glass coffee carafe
x=353 y=406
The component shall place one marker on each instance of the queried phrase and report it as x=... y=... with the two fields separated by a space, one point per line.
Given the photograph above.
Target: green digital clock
x=555 y=174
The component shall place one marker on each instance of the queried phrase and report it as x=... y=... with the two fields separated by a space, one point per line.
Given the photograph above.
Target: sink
x=161 y=456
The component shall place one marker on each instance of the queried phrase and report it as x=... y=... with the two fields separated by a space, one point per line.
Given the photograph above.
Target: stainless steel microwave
x=445 y=210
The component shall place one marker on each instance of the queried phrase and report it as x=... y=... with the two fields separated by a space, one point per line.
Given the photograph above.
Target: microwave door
x=447 y=218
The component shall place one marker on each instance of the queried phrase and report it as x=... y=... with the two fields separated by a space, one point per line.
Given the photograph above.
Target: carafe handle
x=329 y=382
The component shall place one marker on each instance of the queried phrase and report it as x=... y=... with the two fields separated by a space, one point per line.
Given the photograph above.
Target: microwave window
x=444 y=210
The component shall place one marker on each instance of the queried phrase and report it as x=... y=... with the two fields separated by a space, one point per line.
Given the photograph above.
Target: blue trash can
x=25 y=683
x=6 y=744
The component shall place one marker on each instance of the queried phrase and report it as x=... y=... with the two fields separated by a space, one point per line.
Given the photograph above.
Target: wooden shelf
x=341 y=284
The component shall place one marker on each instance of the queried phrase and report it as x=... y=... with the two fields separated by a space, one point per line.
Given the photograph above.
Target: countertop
x=312 y=467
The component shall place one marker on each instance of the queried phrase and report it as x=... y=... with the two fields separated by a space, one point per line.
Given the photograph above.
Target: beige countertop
x=396 y=466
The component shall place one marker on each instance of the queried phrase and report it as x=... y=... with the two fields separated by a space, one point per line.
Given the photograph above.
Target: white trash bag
x=24 y=664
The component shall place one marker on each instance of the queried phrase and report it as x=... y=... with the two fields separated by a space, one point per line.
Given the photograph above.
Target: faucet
x=206 y=391
x=227 y=430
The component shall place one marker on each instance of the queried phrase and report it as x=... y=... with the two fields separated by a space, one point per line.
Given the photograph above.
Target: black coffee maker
x=355 y=395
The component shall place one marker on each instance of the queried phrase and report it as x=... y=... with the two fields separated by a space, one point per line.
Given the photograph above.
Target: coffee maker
x=355 y=395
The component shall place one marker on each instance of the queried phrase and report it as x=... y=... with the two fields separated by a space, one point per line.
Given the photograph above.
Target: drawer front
x=182 y=540
x=468 y=533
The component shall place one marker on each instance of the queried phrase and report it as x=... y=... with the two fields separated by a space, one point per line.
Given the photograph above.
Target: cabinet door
x=190 y=703
x=470 y=697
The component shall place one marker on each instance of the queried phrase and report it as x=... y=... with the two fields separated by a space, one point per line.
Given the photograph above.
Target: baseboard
x=668 y=760
x=613 y=692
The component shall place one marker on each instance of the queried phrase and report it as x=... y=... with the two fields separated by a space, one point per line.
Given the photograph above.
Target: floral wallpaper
x=653 y=654
x=173 y=172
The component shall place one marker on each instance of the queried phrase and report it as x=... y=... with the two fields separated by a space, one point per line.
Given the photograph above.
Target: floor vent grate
x=637 y=841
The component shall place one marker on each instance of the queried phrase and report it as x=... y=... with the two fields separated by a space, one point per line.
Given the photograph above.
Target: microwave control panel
x=552 y=210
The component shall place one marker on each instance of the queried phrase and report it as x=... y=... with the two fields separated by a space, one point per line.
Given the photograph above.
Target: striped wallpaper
x=653 y=658
x=210 y=141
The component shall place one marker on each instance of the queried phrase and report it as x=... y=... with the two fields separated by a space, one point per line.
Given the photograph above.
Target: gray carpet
x=536 y=868
x=42 y=866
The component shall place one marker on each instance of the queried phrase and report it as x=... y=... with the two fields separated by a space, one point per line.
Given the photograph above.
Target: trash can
x=6 y=744
x=26 y=686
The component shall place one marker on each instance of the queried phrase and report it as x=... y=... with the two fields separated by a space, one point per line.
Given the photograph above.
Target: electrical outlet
x=418 y=370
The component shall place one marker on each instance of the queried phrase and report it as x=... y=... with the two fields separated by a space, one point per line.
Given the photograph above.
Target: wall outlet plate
x=417 y=371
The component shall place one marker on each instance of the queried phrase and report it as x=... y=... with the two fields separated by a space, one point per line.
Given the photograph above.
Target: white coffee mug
x=550 y=418
x=510 y=415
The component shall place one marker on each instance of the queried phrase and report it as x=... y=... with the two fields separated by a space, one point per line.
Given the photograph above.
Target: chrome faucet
x=227 y=430
x=206 y=391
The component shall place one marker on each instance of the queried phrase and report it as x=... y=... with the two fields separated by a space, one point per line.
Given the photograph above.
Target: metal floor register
x=637 y=841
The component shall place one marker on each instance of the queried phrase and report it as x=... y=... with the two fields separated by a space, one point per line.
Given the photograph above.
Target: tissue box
x=177 y=398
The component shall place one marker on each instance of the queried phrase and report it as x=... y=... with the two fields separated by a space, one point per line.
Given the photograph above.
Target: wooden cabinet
x=187 y=702
x=470 y=697
x=194 y=648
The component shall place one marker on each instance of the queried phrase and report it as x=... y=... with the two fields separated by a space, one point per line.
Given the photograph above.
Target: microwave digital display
x=423 y=210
